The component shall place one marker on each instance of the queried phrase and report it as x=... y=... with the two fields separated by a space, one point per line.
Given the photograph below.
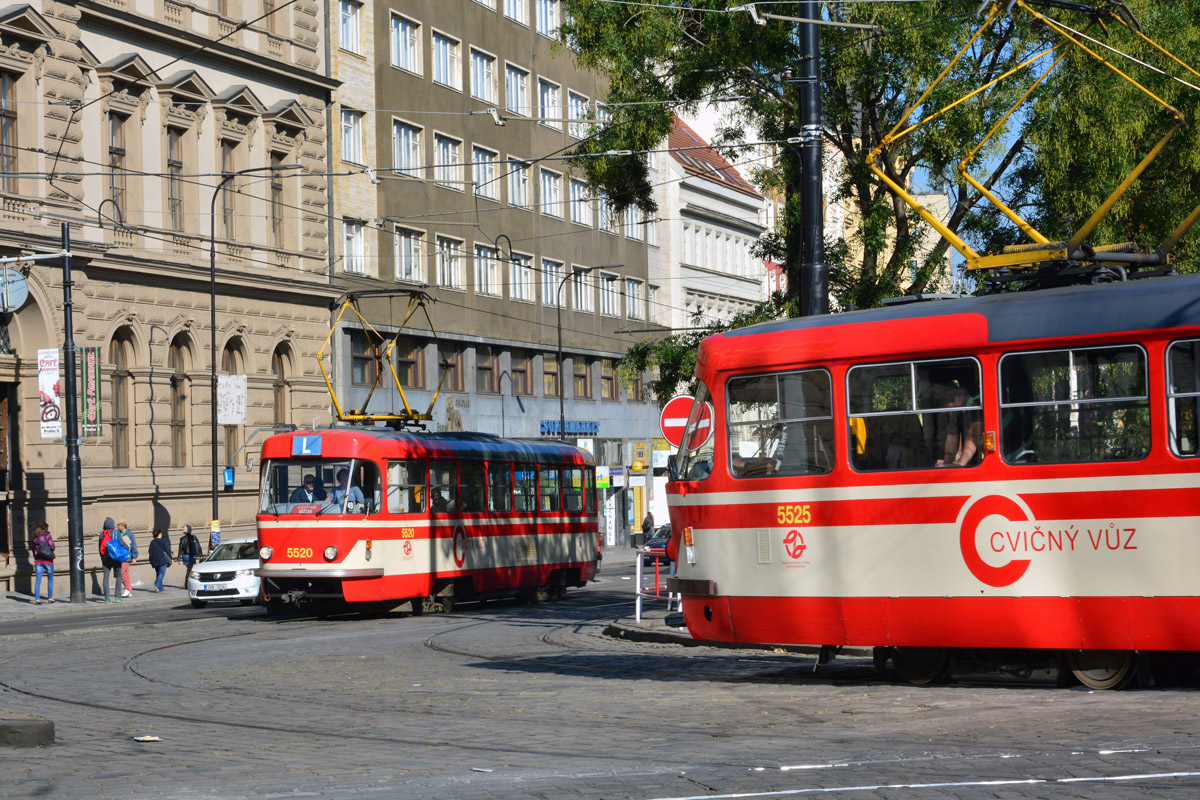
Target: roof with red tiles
x=699 y=159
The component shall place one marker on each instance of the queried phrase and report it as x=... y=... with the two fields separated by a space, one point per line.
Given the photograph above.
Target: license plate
x=215 y=587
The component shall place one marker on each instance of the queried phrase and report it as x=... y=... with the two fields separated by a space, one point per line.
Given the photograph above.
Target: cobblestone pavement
x=510 y=701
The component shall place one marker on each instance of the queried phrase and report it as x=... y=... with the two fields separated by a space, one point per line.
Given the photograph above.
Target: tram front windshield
x=320 y=486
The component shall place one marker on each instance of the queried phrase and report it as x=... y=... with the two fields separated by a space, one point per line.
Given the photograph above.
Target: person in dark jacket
x=110 y=566
x=189 y=551
x=160 y=557
x=43 y=562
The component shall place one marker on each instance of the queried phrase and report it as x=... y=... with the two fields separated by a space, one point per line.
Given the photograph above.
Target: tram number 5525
x=793 y=514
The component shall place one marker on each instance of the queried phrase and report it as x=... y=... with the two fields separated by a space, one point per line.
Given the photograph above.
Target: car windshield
x=322 y=486
x=233 y=551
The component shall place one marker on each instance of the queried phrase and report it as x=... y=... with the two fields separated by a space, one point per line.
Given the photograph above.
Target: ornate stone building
x=157 y=128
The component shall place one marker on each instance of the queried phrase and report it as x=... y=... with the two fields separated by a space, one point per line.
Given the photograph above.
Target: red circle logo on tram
x=794 y=544
x=674 y=419
x=976 y=513
x=408 y=548
x=460 y=545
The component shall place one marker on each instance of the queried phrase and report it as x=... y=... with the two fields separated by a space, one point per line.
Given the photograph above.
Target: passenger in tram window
x=438 y=503
x=308 y=492
x=964 y=434
x=343 y=490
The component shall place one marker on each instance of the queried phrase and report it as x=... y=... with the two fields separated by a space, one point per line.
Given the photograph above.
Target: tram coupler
x=827 y=653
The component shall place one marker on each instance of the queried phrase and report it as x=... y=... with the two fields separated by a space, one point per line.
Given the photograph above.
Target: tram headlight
x=265 y=552
x=330 y=553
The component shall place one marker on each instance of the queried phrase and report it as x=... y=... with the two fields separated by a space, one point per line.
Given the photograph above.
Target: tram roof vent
x=906 y=299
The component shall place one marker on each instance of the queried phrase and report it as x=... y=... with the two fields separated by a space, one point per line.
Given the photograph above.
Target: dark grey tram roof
x=1168 y=302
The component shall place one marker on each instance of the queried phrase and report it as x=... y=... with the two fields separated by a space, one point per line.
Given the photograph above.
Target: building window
x=551 y=193
x=409 y=249
x=655 y=307
x=551 y=278
x=406 y=44
x=483 y=165
x=518 y=183
x=279 y=388
x=522 y=382
x=232 y=364
x=583 y=377
x=449 y=262
x=450 y=360
x=577 y=113
x=487 y=271
x=485 y=370
x=8 y=133
x=363 y=359
x=406 y=149
x=516 y=10
x=275 y=201
x=446 y=70
x=516 y=81
x=487 y=3
x=348 y=28
x=581 y=204
x=447 y=170
x=650 y=228
x=352 y=138
x=633 y=230
x=608 y=219
x=354 y=248
x=634 y=389
x=520 y=279
x=175 y=179
x=228 y=212
x=410 y=363
x=483 y=76
x=610 y=297
x=177 y=363
x=547 y=17
x=581 y=285
x=549 y=105
x=550 y=378
x=608 y=379
x=633 y=299
x=116 y=162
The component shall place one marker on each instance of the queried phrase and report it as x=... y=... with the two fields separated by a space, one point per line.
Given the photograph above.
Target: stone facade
x=121 y=118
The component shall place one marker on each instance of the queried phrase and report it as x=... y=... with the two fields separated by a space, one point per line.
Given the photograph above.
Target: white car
x=227 y=574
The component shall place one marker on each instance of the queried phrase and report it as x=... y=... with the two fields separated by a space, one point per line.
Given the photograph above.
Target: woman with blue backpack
x=113 y=553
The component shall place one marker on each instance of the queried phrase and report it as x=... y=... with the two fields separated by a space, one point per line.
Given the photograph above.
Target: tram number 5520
x=793 y=514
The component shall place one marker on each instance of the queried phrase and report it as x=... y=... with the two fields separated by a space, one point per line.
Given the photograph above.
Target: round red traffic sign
x=675 y=415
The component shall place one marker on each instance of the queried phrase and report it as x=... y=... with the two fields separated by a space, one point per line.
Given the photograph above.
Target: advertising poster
x=51 y=403
x=231 y=399
x=90 y=389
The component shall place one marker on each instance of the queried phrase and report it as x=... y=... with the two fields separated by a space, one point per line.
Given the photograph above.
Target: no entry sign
x=675 y=415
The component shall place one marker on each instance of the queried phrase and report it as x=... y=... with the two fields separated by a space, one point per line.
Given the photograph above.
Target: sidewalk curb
x=92 y=604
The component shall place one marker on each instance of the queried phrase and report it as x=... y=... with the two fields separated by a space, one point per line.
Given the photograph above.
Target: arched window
x=280 y=399
x=119 y=355
x=232 y=363
x=177 y=362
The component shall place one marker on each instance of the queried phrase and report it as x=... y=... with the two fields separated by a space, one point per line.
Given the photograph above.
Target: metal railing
x=657 y=590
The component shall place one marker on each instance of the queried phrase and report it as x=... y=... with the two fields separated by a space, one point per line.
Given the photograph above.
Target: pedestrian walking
x=127 y=538
x=43 y=562
x=160 y=558
x=109 y=564
x=189 y=551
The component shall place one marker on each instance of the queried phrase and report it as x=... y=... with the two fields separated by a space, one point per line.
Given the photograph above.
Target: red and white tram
x=953 y=478
x=366 y=515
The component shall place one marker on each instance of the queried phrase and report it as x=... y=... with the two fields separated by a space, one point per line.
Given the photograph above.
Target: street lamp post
x=562 y=386
x=212 y=307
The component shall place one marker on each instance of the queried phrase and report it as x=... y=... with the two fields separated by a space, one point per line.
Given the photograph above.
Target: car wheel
x=199 y=603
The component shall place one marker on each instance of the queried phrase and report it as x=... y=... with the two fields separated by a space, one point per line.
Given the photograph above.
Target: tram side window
x=499 y=486
x=443 y=486
x=589 y=491
x=1071 y=406
x=548 y=487
x=915 y=415
x=525 y=497
x=1183 y=392
x=780 y=424
x=694 y=461
x=406 y=487
x=572 y=480
x=472 y=487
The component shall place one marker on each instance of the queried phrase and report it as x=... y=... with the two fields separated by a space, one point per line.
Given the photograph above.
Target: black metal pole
x=814 y=273
x=71 y=432
x=212 y=330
